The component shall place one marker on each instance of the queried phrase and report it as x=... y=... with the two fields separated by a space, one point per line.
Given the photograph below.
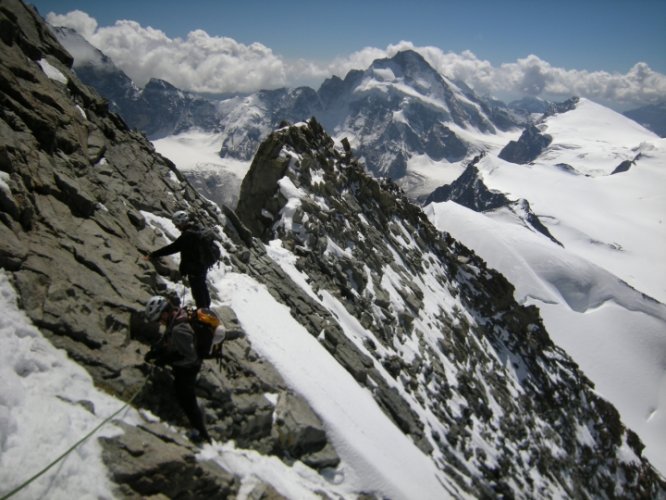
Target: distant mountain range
x=404 y=119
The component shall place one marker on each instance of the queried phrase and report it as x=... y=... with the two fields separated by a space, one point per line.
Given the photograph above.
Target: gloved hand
x=160 y=356
x=153 y=357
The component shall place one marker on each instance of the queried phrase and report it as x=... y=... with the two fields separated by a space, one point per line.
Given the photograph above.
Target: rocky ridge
x=485 y=374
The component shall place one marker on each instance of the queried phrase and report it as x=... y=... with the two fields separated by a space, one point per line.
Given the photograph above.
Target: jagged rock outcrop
x=555 y=108
x=527 y=148
x=485 y=375
x=470 y=191
x=626 y=165
x=79 y=193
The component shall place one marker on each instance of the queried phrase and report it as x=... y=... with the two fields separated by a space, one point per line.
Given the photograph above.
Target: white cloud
x=200 y=62
x=206 y=63
x=528 y=76
x=77 y=20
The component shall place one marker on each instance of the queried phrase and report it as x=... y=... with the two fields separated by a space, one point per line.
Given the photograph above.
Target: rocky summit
x=446 y=351
x=467 y=374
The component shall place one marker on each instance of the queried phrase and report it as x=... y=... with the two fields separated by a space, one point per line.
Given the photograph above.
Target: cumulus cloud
x=200 y=62
x=528 y=76
x=77 y=20
x=204 y=63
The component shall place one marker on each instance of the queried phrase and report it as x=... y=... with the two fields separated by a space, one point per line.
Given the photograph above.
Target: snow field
x=615 y=334
x=48 y=403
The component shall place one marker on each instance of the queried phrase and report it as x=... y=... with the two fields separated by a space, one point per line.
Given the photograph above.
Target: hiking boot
x=197 y=437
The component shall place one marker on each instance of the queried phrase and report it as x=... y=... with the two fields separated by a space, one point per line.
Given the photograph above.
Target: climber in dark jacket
x=177 y=348
x=188 y=244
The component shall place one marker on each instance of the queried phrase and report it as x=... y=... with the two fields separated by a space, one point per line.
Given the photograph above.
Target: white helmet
x=180 y=218
x=154 y=308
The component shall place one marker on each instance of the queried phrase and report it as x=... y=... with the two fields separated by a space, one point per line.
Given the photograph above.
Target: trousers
x=199 y=290
x=184 y=383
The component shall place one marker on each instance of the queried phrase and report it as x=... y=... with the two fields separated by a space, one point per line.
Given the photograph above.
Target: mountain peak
x=409 y=68
x=409 y=60
x=157 y=84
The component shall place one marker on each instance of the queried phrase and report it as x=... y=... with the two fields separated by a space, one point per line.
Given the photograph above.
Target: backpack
x=209 y=250
x=208 y=333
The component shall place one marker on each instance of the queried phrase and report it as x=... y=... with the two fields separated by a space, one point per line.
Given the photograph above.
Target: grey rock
x=299 y=430
x=73 y=236
x=527 y=148
x=149 y=461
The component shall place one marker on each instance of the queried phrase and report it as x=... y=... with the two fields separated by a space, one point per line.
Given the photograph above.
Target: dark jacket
x=188 y=244
x=177 y=347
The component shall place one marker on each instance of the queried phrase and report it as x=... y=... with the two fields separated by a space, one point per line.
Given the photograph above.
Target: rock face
x=455 y=392
x=470 y=191
x=78 y=188
x=527 y=148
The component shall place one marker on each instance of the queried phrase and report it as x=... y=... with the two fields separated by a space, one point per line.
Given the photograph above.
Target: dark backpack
x=209 y=250
x=208 y=333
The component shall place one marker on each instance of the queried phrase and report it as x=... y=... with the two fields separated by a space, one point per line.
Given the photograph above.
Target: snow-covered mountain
x=573 y=175
x=382 y=358
x=599 y=279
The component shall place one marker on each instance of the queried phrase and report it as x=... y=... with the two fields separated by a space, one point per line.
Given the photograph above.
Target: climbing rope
x=75 y=445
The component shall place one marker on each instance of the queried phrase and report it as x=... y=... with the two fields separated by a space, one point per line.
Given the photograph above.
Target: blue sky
x=610 y=36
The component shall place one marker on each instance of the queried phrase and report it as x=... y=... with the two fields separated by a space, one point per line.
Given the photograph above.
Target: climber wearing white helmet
x=177 y=348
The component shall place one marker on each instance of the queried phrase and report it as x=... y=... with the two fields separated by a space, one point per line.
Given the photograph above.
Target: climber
x=176 y=348
x=191 y=265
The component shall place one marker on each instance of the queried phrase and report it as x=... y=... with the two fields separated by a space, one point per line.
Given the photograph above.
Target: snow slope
x=376 y=455
x=38 y=379
x=616 y=220
x=602 y=294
